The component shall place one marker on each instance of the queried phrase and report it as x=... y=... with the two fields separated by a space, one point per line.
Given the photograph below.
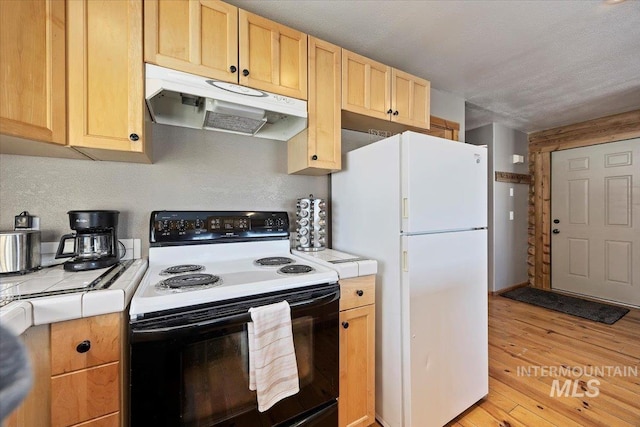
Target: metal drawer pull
x=359 y=292
x=84 y=346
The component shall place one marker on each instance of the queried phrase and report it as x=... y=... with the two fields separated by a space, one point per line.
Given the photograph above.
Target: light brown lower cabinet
x=356 y=403
x=77 y=374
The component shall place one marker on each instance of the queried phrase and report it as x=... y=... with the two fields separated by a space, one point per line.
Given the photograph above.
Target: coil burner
x=181 y=269
x=273 y=261
x=296 y=269
x=190 y=281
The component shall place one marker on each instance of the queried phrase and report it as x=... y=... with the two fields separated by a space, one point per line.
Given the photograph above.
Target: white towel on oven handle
x=273 y=370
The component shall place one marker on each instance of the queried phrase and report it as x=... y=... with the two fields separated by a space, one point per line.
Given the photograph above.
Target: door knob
x=345 y=325
x=390 y=111
x=555 y=231
x=359 y=292
x=233 y=69
x=245 y=72
x=395 y=113
x=556 y=221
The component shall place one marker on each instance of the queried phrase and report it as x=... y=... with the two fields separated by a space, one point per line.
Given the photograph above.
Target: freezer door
x=445 y=339
x=444 y=184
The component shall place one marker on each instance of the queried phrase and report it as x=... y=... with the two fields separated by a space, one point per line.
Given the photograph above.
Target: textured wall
x=507 y=238
x=192 y=170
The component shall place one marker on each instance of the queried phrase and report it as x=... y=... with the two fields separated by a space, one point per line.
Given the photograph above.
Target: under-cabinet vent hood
x=180 y=99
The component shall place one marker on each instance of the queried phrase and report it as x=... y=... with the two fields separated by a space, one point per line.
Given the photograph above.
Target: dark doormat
x=603 y=313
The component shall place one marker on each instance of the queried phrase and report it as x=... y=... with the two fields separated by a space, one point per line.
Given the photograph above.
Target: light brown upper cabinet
x=214 y=39
x=376 y=90
x=273 y=57
x=32 y=70
x=410 y=99
x=198 y=37
x=106 y=83
x=317 y=149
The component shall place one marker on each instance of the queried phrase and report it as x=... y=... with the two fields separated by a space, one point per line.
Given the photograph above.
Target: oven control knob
x=181 y=225
x=303 y=222
x=304 y=240
x=279 y=222
x=304 y=231
x=304 y=204
x=198 y=223
x=268 y=222
x=304 y=214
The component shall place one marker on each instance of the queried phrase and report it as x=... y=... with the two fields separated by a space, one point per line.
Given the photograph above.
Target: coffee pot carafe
x=95 y=242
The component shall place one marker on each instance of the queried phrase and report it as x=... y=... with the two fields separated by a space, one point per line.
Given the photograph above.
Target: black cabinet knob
x=134 y=137
x=233 y=69
x=345 y=325
x=245 y=72
x=555 y=231
x=359 y=292
x=556 y=221
x=84 y=346
x=390 y=111
x=395 y=113
x=314 y=157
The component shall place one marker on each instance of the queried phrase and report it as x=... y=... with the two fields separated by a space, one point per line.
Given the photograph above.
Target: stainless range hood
x=186 y=100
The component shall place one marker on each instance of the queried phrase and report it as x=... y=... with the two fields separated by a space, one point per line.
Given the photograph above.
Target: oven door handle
x=164 y=332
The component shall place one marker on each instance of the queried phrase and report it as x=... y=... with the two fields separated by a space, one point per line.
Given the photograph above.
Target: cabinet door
x=356 y=404
x=366 y=86
x=32 y=70
x=198 y=37
x=106 y=96
x=410 y=98
x=317 y=150
x=273 y=57
x=101 y=333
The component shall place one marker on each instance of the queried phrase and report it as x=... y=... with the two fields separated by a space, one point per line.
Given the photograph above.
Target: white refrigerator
x=418 y=205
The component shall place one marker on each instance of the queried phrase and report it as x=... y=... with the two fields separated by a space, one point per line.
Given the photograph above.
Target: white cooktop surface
x=233 y=263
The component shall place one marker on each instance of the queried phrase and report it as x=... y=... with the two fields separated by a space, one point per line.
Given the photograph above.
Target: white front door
x=595 y=221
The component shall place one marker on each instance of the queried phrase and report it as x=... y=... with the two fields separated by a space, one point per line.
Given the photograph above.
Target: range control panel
x=198 y=227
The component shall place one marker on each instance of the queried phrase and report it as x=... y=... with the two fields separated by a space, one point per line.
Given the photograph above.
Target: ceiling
x=530 y=65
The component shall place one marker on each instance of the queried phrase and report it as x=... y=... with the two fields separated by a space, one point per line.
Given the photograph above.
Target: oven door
x=190 y=368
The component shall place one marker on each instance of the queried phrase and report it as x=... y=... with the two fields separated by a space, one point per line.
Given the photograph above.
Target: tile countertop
x=19 y=315
x=347 y=265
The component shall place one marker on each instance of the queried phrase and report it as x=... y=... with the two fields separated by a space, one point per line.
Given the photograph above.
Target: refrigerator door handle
x=405 y=261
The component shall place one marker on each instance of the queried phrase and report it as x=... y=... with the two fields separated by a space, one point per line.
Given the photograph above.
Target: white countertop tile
x=19 y=315
x=56 y=308
x=118 y=296
x=349 y=265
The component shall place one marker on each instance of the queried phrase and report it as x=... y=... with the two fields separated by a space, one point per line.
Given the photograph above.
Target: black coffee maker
x=95 y=243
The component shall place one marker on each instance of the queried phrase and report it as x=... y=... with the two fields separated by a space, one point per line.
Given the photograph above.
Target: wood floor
x=523 y=336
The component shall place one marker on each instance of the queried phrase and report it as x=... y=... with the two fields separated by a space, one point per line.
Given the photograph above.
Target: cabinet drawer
x=102 y=334
x=357 y=291
x=86 y=394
